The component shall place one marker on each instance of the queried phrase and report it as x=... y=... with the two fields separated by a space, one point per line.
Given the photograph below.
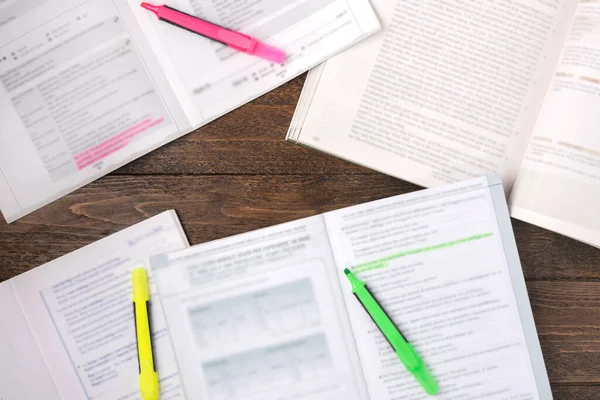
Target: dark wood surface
x=238 y=174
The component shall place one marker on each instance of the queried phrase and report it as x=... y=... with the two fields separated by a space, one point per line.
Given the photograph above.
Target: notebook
x=89 y=85
x=270 y=314
x=452 y=90
x=67 y=328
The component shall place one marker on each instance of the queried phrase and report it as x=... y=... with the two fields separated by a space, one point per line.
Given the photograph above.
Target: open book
x=451 y=90
x=67 y=328
x=89 y=85
x=270 y=314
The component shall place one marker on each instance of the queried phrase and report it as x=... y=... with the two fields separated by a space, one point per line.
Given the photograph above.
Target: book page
x=212 y=79
x=76 y=98
x=80 y=311
x=23 y=371
x=558 y=186
x=260 y=316
x=448 y=91
x=443 y=264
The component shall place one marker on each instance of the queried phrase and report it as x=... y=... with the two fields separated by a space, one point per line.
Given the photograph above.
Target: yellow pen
x=141 y=299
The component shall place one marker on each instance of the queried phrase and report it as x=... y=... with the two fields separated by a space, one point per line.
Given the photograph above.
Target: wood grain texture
x=238 y=174
x=212 y=207
x=249 y=140
x=576 y=392
x=567 y=316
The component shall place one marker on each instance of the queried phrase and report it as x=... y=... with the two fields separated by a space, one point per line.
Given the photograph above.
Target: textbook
x=89 y=85
x=270 y=314
x=452 y=90
x=67 y=328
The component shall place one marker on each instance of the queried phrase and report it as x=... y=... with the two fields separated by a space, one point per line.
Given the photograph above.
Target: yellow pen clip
x=141 y=299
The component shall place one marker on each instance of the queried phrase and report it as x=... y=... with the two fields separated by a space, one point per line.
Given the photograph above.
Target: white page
x=211 y=79
x=260 y=316
x=558 y=186
x=448 y=91
x=443 y=263
x=21 y=363
x=76 y=99
x=80 y=311
x=306 y=95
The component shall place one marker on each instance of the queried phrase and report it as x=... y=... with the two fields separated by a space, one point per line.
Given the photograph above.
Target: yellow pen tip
x=139 y=273
x=139 y=284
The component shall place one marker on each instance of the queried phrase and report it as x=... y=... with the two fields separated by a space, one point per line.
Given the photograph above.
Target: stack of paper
x=87 y=86
x=270 y=315
x=67 y=328
x=453 y=90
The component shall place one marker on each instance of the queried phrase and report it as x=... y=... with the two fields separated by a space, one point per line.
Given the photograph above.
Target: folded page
x=256 y=316
x=23 y=371
x=79 y=308
x=443 y=264
x=211 y=79
x=558 y=186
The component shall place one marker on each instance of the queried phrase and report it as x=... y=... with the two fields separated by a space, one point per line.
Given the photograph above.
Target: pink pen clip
x=233 y=39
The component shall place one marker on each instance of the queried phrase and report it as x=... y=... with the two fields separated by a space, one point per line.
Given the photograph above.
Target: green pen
x=404 y=350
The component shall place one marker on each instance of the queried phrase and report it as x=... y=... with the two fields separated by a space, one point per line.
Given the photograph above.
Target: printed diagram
x=248 y=374
x=271 y=311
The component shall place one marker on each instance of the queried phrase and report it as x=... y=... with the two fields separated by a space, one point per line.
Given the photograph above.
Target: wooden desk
x=238 y=174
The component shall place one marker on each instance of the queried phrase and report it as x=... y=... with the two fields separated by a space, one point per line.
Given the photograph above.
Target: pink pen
x=233 y=39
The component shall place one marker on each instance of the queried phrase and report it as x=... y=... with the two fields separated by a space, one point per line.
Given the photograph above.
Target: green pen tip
x=347 y=271
x=427 y=381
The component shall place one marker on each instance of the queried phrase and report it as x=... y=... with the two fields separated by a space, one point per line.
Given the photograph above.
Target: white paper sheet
x=558 y=186
x=79 y=309
x=23 y=371
x=264 y=315
x=87 y=86
x=211 y=79
x=259 y=316
x=447 y=91
x=443 y=265
x=76 y=100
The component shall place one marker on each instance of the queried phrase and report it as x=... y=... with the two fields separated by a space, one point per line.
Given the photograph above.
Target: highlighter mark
x=564 y=74
x=580 y=148
x=543 y=139
x=114 y=144
x=589 y=79
x=384 y=262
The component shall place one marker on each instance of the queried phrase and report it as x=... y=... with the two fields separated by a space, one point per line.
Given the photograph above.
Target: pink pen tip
x=150 y=7
x=270 y=53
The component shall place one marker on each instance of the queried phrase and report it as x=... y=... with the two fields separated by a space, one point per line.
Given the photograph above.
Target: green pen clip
x=404 y=350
